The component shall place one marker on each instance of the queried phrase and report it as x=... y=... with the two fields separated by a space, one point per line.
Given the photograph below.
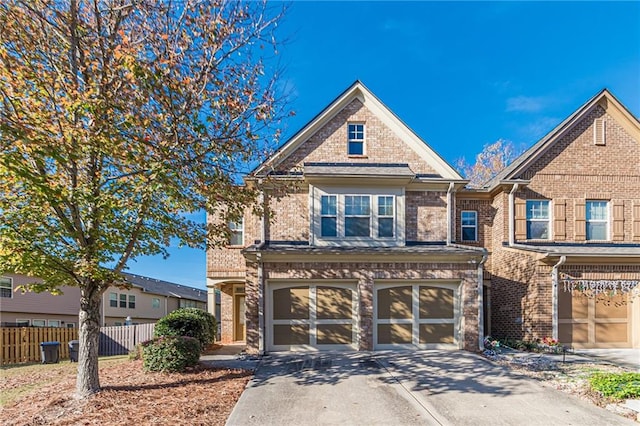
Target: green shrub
x=170 y=354
x=190 y=322
x=616 y=385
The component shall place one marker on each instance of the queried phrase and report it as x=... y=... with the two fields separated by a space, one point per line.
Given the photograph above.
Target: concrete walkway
x=628 y=358
x=404 y=388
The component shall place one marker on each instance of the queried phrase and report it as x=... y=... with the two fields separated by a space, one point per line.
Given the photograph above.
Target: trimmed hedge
x=190 y=322
x=170 y=353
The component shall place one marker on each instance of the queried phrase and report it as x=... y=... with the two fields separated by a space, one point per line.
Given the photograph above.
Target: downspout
x=485 y=255
x=263 y=240
x=554 y=296
x=512 y=193
x=449 y=211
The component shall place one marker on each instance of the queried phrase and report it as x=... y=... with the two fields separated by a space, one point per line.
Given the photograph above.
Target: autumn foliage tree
x=489 y=162
x=117 y=117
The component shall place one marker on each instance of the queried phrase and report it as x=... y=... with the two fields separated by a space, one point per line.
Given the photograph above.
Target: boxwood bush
x=190 y=322
x=170 y=353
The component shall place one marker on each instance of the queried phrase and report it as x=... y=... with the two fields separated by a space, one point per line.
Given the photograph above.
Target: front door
x=240 y=332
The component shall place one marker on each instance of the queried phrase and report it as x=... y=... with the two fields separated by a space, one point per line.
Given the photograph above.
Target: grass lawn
x=43 y=394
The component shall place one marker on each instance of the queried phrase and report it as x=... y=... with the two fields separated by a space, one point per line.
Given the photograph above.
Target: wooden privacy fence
x=121 y=340
x=22 y=344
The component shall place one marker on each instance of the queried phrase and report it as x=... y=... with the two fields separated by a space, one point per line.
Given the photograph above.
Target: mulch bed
x=129 y=395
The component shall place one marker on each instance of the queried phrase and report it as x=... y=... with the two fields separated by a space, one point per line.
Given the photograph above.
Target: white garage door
x=409 y=315
x=312 y=316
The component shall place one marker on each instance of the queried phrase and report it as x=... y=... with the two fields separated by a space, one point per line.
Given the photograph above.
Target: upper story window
x=237 y=233
x=6 y=287
x=356 y=218
x=597 y=225
x=537 y=219
x=356 y=139
x=469 y=223
x=132 y=301
x=184 y=303
x=123 y=300
x=155 y=303
x=113 y=300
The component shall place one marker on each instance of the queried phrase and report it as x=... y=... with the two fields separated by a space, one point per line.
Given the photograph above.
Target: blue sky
x=460 y=74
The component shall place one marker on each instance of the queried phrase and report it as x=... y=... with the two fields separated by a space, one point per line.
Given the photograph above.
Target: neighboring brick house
x=145 y=301
x=371 y=241
x=358 y=254
x=566 y=217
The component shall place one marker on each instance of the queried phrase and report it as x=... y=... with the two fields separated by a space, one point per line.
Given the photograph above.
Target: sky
x=460 y=74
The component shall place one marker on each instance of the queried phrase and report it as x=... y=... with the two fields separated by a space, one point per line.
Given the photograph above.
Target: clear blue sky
x=461 y=75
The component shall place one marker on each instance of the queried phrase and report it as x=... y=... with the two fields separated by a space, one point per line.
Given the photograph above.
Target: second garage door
x=312 y=316
x=410 y=315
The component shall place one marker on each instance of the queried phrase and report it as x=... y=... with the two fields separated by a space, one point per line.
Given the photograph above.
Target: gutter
x=449 y=211
x=512 y=236
x=554 y=296
x=263 y=239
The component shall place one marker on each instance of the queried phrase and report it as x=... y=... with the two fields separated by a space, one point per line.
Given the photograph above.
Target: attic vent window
x=356 y=139
x=599 y=127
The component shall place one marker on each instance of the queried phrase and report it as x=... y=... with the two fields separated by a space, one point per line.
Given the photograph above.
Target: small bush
x=616 y=385
x=190 y=322
x=170 y=354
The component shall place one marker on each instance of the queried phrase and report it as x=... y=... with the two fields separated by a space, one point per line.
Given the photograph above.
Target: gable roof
x=359 y=91
x=165 y=288
x=520 y=164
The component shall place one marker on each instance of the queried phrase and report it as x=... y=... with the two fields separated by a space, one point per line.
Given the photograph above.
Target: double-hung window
x=113 y=300
x=123 y=300
x=6 y=287
x=237 y=233
x=132 y=301
x=597 y=220
x=357 y=216
x=328 y=216
x=385 y=216
x=355 y=139
x=537 y=219
x=469 y=223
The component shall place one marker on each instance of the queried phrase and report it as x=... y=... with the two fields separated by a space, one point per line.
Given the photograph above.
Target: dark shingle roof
x=165 y=288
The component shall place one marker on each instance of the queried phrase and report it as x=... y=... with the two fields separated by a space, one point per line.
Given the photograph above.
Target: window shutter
x=618 y=220
x=559 y=220
x=520 y=219
x=580 y=220
x=599 y=127
x=636 y=221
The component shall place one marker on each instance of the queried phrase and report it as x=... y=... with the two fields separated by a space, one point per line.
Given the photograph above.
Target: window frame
x=356 y=140
x=153 y=303
x=605 y=221
x=474 y=226
x=131 y=301
x=123 y=300
x=375 y=196
x=43 y=321
x=3 y=287
x=530 y=220
x=235 y=229
x=70 y=325
x=357 y=216
x=23 y=321
x=113 y=301
x=49 y=323
x=329 y=215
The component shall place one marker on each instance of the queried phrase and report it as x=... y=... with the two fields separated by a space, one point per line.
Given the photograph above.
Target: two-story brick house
x=359 y=254
x=374 y=242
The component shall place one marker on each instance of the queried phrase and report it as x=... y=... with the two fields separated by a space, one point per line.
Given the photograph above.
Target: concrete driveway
x=404 y=388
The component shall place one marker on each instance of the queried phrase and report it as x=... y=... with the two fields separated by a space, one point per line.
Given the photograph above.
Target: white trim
x=44 y=322
x=238 y=228
x=10 y=289
x=607 y=221
x=416 y=321
x=28 y=321
x=363 y=140
x=312 y=321
x=548 y=220
x=55 y=321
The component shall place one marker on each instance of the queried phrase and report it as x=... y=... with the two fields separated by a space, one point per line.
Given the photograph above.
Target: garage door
x=416 y=316
x=594 y=322
x=312 y=316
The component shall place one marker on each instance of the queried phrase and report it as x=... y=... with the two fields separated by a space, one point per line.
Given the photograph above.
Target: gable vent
x=599 y=126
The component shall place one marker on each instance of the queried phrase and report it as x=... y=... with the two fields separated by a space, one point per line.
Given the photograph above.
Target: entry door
x=240 y=319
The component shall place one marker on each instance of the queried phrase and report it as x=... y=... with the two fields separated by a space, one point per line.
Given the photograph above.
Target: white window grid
x=539 y=211
x=6 y=287
x=237 y=233
x=469 y=220
x=597 y=212
x=355 y=135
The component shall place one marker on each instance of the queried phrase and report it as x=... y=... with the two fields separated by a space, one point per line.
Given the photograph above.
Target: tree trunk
x=88 y=381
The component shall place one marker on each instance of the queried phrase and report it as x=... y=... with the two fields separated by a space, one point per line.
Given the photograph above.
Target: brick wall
x=426 y=216
x=329 y=144
x=485 y=214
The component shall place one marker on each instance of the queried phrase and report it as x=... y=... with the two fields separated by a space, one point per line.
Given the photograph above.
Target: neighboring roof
x=584 y=250
x=165 y=288
x=358 y=169
x=539 y=148
x=359 y=91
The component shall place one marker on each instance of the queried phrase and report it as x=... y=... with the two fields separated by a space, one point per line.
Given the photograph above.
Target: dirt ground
x=43 y=395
